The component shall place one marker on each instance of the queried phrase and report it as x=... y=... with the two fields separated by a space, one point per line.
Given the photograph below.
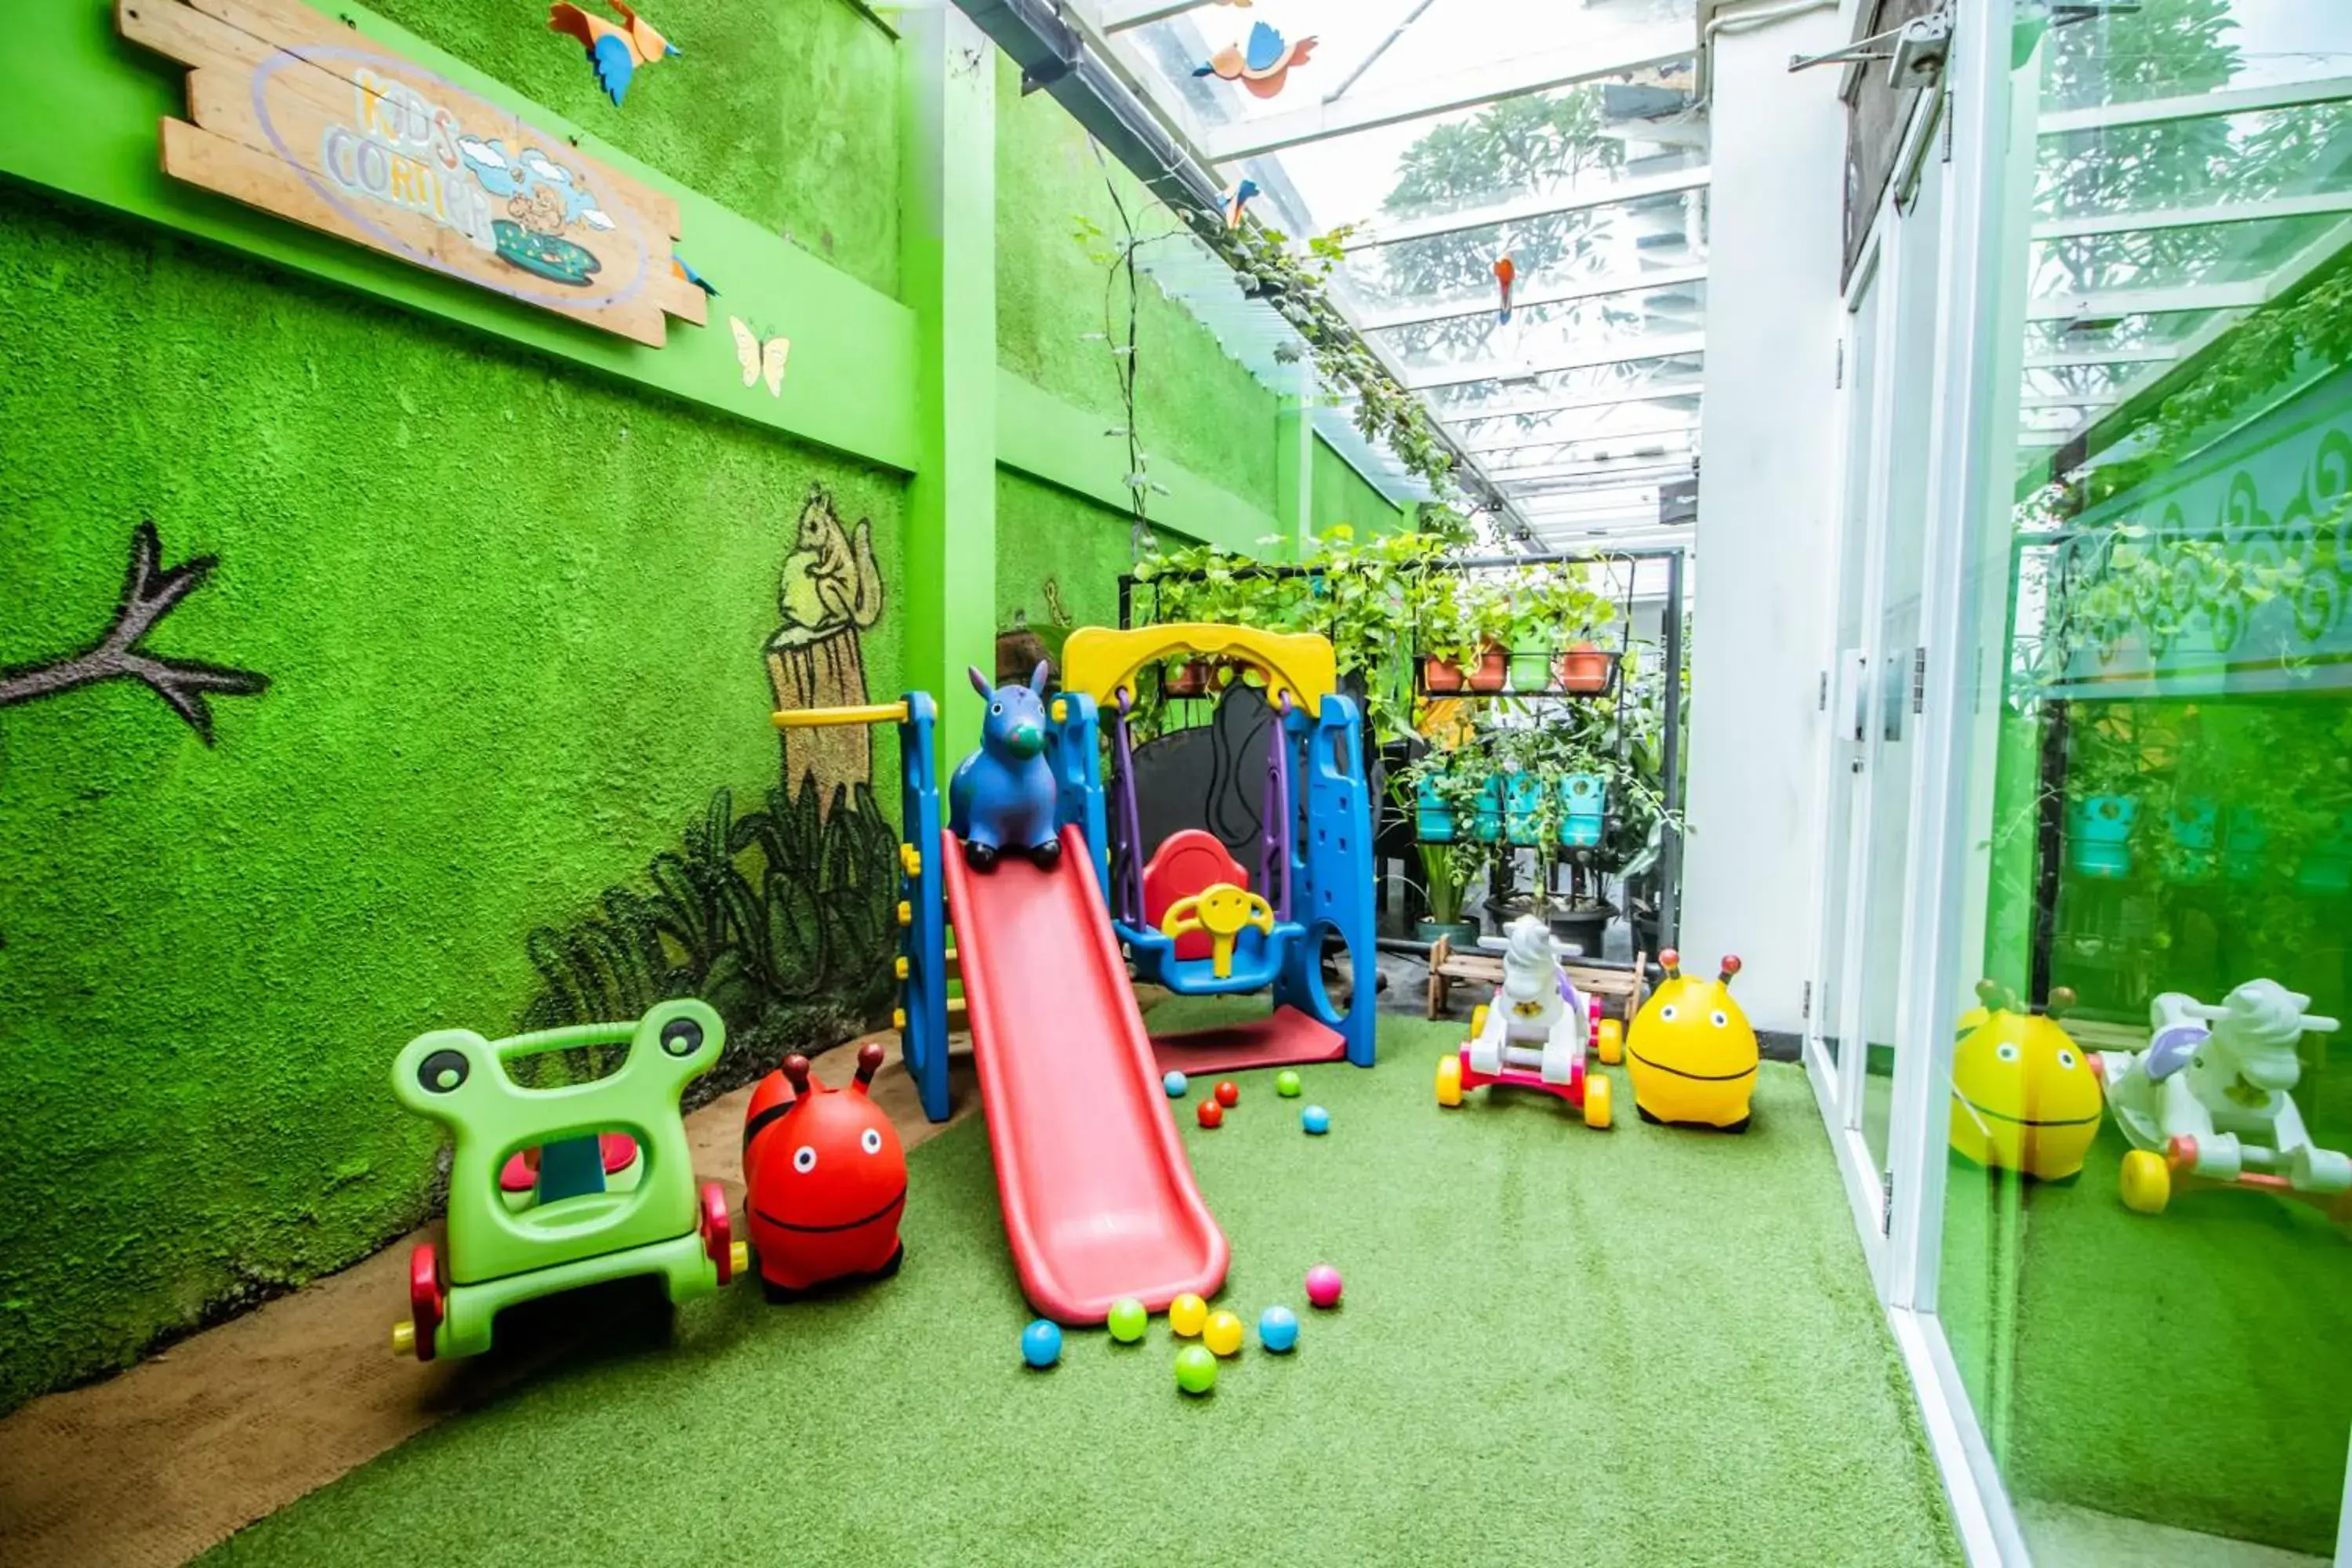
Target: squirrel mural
x=831 y=590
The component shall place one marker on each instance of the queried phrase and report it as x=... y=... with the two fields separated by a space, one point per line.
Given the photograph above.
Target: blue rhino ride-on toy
x=1001 y=796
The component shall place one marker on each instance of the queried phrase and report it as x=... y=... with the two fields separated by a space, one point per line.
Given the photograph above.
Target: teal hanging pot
x=2327 y=868
x=1585 y=797
x=1488 y=825
x=1434 y=819
x=2245 y=852
x=2098 y=835
x=1523 y=805
x=2195 y=825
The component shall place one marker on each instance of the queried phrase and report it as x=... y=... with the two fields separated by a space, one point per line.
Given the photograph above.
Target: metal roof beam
x=1645 y=283
x=1598 y=437
x=1682 y=345
x=2197 y=106
x=1607 y=397
x=2108 y=304
x=2319 y=204
x=1655 y=43
x=1119 y=15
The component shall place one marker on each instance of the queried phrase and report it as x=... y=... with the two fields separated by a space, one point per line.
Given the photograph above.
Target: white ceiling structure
x=1439 y=137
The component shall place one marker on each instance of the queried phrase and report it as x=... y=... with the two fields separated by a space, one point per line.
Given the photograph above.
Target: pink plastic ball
x=1323 y=1285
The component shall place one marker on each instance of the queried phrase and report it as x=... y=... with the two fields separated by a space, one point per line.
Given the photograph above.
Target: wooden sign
x=301 y=117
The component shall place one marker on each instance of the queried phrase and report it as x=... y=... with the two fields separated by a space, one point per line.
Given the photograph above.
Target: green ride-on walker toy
x=611 y=1191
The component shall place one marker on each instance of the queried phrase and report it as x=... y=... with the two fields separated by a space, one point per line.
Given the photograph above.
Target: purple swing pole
x=1126 y=825
x=1274 y=853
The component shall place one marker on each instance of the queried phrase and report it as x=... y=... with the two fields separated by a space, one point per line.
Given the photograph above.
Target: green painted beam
x=1040 y=434
x=83 y=119
x=947 y=270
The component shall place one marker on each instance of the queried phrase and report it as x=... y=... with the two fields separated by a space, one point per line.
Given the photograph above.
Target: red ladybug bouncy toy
x=825 y=1180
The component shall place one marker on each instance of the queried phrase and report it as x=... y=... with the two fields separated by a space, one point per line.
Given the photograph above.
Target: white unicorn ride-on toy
x=2207 y=1103
x=1534 y=1033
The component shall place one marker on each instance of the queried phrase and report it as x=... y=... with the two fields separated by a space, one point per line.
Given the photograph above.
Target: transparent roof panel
x=1576 y=425
x=2081 y=333
x=2132 y=56
x=1547 y=334
x=1579 y=249
x=2190 y=162
x=2173 y=256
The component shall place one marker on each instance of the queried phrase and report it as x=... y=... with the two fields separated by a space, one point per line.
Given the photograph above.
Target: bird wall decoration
x=1264 y=66
x=1237 y=200
x=614 y=49
x=1507 y=272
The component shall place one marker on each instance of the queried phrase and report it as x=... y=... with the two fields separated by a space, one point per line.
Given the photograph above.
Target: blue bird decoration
x=681 y=267
x=1237 y=199
x=615 y=50
x=1265 y=67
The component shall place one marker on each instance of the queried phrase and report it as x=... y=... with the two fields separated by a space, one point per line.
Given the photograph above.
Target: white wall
x=1765 y=535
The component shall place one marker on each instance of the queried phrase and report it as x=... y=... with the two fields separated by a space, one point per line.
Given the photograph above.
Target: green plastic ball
x=1286 y=1084
x=1196 y=1368
x=1127 y=1320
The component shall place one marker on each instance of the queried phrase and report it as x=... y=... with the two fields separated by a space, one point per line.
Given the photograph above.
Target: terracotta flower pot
x=1440 y=674
x=1494 y=668
x=1583 y=669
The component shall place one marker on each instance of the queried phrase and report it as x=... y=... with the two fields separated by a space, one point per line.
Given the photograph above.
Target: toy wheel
x=2146 y=1182
x=1609 y=1042
x=717 y=1231
x=1449 y=1081
x=1596 y=1101
x=428 y=1300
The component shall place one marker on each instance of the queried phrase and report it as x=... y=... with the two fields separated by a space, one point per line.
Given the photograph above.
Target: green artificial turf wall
x=1343 y=496
x=1047 y=535
x=1556 y=1346
x=1195 y=406
x=512 y=622
x=782 y=109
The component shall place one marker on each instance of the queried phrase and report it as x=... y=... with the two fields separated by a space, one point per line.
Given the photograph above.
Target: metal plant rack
x=1616 y=688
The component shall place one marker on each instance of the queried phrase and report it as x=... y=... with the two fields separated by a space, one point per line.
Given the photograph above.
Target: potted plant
x=1584 y=670
x=1490 y=616
x=1447 y=872
x=1524 y=794
x=2195 y=824
x=1441 y=630
x=1584 y=808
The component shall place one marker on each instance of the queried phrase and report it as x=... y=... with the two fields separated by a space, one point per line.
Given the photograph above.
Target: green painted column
x=948 y=268
x=1294 y=487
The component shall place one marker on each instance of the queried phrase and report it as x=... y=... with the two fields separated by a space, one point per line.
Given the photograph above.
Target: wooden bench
x=1621 y=991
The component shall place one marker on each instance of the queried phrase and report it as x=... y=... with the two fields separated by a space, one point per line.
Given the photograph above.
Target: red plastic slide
x=1098 y=1197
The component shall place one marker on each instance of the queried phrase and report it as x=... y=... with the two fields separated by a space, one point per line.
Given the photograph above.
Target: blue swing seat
x=1258 y=958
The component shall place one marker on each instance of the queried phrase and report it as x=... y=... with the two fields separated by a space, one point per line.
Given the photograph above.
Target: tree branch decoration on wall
x=300 y=117
x=149 y=592
x=830 y=592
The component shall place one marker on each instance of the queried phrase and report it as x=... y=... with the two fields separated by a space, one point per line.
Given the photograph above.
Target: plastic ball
x=1323 y=1285
x=1286 y=1084
x=1127 y=1320
x=1277 y=1330
x=1211 y=1114
x=1040 y=1344
x=1224 y=1334
x=1196 y=1370
x=1229 y=1093
x=1186 y=1315
x=1316 y=1120
x=1174 y=1084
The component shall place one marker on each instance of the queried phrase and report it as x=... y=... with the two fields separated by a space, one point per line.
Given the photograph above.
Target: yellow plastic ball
x=1224 y=1334
x=1186 y=1315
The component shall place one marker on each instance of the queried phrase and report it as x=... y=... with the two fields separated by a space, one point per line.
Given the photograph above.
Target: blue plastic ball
x=1040 y=1344
x=1277 y=1330
x=1174 y=1084
x=1314 y=1119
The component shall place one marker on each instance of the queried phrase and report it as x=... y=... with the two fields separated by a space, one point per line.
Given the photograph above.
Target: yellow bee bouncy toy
x=2024 y=1097
x=1691 y=1051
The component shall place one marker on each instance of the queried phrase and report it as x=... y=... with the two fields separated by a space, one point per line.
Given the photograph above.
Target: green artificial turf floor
x=1638 y=1346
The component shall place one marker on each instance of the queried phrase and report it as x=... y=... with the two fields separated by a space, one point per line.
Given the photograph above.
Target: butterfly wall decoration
x=760 y=358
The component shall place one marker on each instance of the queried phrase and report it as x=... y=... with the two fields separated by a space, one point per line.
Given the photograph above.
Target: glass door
x=1871 y=686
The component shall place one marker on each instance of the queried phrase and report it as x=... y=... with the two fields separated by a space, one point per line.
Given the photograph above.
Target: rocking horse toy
x=2207 y=1104
x=1534 y=1033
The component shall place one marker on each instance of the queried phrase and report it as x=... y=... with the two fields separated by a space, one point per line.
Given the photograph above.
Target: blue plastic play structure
x=1001 y=796
x=1314 y=877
